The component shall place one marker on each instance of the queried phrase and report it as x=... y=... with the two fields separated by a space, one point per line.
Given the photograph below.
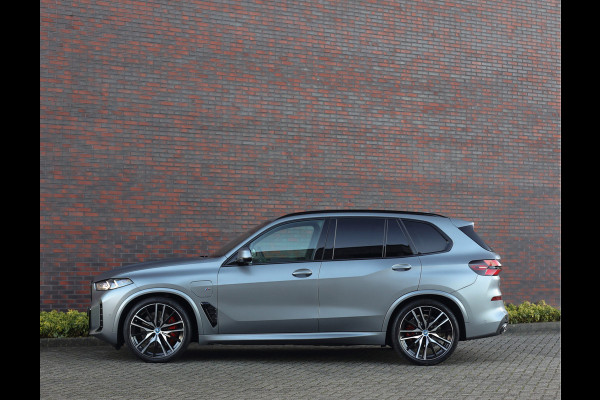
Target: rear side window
x=426 y=237
x=470 y=232
x=359 y=238
x=396 y=243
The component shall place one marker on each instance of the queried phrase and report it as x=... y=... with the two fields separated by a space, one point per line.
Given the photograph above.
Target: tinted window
x=426 y=238
x=396 y=241
x=291 y=242
x=359 y=238
x=470 y=232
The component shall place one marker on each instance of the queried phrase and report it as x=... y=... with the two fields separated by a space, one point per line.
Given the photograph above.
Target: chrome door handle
x=401 y=267
x=302 y=273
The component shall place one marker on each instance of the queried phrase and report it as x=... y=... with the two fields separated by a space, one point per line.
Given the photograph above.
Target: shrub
x=532 y=312
x=55 y=324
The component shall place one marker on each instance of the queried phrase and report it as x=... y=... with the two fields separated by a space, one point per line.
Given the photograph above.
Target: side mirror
x=244 y=256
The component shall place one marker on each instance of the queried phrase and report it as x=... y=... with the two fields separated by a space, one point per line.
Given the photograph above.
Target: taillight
x=486 y=267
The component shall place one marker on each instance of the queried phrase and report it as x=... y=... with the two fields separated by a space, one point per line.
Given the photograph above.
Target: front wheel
x=157 y=329
x=425 y=332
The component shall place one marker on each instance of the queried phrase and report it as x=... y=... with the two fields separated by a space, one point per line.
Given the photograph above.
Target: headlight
x=113 y=283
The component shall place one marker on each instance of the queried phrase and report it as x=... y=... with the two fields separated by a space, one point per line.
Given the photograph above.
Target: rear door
x=368 y=264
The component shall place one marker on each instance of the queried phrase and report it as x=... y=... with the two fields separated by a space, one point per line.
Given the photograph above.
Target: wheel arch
x=448 y=300
x=179 y=297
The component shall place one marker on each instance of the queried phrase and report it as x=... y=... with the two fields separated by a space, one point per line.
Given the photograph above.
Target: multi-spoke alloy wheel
x=157 y=330
x=425 y=332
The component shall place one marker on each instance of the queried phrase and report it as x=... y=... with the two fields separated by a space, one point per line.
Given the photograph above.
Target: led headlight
x=109 y=284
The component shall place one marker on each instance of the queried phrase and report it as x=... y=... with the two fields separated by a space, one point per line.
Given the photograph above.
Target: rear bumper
x=503 y=327
x=493 y=329
x=486 y=317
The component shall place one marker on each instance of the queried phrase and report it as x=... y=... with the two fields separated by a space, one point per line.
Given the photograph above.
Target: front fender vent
x=211 y=313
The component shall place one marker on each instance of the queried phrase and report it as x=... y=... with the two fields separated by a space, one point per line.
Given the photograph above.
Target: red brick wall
x=168 y=127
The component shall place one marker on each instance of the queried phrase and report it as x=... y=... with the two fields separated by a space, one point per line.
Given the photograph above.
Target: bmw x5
x=418 y=282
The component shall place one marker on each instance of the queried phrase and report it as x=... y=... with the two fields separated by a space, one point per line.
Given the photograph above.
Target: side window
x=296 y=241
x=426 y=238
x=359 y=238
x=396 y=243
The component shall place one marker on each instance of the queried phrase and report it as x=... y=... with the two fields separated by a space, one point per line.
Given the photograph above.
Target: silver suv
x=418 y=282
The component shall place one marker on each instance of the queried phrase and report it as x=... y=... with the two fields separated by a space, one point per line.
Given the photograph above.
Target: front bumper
x=96 y=318
x=103 y=313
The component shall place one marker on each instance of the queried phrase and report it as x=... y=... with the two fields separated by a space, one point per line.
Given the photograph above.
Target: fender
x=407 y=296
x=159 y=291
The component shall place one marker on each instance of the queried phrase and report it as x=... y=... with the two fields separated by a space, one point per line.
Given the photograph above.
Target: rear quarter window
x=469 y=230
x=426 y=237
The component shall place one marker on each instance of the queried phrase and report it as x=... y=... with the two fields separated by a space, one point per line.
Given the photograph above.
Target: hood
x=125 y=271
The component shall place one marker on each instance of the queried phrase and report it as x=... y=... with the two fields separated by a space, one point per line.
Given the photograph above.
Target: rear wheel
x=157 y=329
x=425 y=332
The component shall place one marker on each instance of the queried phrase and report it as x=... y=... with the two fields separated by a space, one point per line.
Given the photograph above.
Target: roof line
x=361 y=211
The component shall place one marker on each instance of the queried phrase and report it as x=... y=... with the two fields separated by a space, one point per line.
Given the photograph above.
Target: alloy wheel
x=426 y=334
x=157 y=331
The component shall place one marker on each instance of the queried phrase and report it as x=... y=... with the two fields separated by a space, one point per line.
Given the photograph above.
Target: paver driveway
x=524 y=363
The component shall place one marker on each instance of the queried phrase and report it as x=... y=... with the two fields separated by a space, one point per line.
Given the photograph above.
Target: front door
x=278 y=291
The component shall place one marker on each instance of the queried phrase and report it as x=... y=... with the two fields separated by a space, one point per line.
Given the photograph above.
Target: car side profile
x=418 y=282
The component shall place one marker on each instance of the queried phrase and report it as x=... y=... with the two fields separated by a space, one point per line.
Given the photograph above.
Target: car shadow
x=292 y=353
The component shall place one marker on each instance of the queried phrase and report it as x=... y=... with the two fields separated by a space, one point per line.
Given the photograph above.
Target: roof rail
x=361 y=211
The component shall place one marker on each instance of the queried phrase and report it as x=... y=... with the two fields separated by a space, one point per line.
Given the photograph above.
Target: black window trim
x=477 y=239
x=330 y=245
x=385 y=233
x=328 y=237
x=448 y=246
x=403 y=229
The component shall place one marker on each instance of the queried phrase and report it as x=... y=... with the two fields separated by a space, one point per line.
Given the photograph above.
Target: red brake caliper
x=173 y=335
x=409 y=334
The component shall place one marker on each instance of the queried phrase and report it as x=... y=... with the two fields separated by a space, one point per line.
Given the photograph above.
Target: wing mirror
x=244 y=256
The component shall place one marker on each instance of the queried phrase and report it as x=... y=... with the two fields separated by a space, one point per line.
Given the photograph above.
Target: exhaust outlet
x=502 y=328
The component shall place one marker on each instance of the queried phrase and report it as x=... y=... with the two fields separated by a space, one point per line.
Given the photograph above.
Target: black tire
x=425 y=332
x=157 y=329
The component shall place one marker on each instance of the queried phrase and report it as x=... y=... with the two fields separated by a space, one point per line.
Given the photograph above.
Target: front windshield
x=238 y=240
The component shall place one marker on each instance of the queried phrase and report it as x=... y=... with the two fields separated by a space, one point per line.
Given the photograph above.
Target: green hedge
x=55 y=324
x=532 y=312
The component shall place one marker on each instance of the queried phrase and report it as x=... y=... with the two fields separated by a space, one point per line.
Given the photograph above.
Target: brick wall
x=166 y=127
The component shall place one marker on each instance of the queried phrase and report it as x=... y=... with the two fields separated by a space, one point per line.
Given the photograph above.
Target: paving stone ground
x=524 y=363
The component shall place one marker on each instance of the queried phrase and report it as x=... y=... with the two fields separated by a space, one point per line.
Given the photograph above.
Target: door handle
x=401 y=267
x=302 y=273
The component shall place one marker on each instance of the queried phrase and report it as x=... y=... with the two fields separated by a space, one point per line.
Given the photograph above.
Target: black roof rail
x=361 y=211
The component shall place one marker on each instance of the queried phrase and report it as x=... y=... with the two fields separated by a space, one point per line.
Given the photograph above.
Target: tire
x=157 y=329
x=425 y=332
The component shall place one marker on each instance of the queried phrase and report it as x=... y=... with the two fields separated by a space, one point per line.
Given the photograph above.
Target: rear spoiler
x=459 y=223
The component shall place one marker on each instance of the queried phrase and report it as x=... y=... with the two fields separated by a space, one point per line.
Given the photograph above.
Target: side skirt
x=317 y=338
